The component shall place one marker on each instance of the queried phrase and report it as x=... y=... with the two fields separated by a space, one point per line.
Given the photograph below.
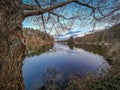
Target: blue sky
x=68 y=12
x=29 y=23
x=75 y=32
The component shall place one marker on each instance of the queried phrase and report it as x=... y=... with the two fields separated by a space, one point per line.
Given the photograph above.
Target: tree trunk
x=11 y=47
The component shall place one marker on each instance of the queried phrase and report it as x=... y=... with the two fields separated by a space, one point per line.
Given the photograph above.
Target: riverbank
x=32 y=37
x=110 y=40
x=94 y=43
x=111 y=80
x=64 y=68
x=111 y=51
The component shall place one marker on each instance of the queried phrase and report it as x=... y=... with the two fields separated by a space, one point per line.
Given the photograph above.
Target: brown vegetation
x=110 y=35
x=112 y=51
x=12 y=49
x=35 y=38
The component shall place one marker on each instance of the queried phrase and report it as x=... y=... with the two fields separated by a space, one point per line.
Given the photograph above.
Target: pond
x=61 y=64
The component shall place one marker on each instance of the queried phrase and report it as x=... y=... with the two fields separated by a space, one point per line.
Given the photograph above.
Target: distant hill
x=110 y=38
x=109 y=35
x=36 y=36
x=35 y=39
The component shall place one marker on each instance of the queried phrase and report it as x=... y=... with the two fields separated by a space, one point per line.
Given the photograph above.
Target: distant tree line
x=110 y=35
x=43 y=35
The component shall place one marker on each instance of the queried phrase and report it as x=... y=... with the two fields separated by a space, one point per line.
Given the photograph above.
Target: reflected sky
x=67 y=61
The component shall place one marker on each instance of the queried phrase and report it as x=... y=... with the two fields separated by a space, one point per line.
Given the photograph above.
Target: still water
x=66 y=63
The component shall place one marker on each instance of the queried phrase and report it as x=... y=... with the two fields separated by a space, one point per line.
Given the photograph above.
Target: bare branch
x=89 y=1
x=104 y=16
x=63 y=16
x=29 y=7
x=37 y=3
x=41 y=11
x=100 y=12
x=83 y=4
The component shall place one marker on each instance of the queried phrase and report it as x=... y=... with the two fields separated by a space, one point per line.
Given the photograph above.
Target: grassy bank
x=110 y=40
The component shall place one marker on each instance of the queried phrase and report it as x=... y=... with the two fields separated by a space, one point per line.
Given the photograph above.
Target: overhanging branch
x=41 y=11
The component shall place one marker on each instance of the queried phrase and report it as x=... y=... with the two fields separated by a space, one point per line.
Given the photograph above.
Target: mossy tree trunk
x=11 y=46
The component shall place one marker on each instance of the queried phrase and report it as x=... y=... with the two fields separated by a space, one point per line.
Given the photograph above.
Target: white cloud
x=68 y=34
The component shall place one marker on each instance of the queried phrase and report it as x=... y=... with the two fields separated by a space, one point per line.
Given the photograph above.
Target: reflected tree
x=37 y=50
x=71 y=42
x=13 y=13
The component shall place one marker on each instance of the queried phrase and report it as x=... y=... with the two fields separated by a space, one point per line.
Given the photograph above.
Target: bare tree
x=89 y=12
x=12 y=14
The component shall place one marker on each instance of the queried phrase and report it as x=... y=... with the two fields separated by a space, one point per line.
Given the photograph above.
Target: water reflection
x=70 y=63
x=37 y=50
x=71 y=46
x=93 y=48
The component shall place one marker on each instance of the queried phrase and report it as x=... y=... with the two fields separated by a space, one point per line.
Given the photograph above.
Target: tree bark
x=39 y=10
x=12 y=50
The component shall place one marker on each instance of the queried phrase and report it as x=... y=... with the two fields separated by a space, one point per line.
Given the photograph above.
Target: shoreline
x=94 y=43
